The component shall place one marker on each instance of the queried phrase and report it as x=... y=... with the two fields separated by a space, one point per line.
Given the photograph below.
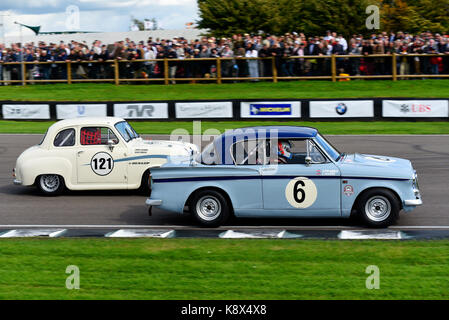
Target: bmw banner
x=342 y=109
x=68 y=111
x=146 y=110
x=278 y=109
x=415 y=109
x=26 y=111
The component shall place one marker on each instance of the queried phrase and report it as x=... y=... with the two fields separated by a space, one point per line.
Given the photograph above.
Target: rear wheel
x=50 y=184
x=210 y=208
x=379 y=208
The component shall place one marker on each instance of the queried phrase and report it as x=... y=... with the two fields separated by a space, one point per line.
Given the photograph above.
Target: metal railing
x=115 y=69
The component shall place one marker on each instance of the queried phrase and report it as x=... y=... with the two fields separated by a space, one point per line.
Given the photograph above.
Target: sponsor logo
x=270 y=109
x=326 y=172
x=348 y=190
x=341 y=108
x=416 y=108
x=22 y=112
x=140 y=111
x=81 y=110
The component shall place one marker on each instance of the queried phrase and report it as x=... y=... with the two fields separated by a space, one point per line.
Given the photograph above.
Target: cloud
x=97 y=15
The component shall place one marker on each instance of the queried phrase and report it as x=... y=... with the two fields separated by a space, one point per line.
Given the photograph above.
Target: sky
x=94 y=15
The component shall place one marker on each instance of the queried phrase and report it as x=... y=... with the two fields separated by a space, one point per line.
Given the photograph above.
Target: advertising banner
x=146 y=110
x=199 y=110
x=415 y=109
x=68 y=111
x=277 y=109
x=26 y=111
x=342 y=109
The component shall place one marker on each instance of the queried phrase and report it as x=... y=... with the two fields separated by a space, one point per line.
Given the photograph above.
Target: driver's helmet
x=284 y=149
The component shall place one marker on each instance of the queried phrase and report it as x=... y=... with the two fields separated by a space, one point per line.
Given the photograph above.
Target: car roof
x=85 y=121
x=269 y=131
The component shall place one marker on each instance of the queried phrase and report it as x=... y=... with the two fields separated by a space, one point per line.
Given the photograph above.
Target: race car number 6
x=102 y=163
x=301 y=192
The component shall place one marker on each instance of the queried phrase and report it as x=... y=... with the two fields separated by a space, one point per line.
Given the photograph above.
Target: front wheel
x=50 y=184
x=210 y=208
x=379 y=208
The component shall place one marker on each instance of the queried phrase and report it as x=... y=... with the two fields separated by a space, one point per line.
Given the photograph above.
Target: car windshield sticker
x=102 y=163
x=301 y=192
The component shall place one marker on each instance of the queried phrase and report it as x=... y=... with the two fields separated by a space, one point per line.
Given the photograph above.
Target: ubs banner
x=275 y=109
x=68 y=111
x=146 y=110
x=26 y=111
x=415 y=109
x=342 y=109
x=201 y=110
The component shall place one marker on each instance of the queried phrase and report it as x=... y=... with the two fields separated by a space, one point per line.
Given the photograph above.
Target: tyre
x=210 y=208
x=145 y=185
x=50 y=184
x=379 y=208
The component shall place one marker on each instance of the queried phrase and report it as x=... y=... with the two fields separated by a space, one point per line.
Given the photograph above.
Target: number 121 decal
x=102 y=163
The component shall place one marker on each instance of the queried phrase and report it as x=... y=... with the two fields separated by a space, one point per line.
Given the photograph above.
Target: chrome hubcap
x=208 y=208
x=50 y=183
x=378 y=208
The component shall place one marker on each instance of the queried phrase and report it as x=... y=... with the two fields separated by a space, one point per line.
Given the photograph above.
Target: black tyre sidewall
x=58 y=192
x=394 y=203
x=225 y=208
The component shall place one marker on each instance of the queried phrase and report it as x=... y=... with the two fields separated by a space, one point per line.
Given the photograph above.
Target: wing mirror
x=111 y=145
x=308 y=161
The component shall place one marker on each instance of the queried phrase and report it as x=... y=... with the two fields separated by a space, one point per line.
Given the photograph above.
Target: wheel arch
x=361 y=193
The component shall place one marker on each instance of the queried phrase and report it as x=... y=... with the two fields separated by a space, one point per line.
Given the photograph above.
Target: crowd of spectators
x=244 y=46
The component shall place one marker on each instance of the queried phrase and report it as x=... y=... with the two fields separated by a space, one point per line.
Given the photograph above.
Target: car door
x=97 y=163
x=292 y=187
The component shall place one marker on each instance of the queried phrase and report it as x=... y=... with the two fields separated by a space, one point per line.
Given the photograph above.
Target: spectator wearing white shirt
x=253 y=65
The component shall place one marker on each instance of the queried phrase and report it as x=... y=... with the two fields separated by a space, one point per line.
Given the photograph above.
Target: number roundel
x=102 y=163
x=301 y=192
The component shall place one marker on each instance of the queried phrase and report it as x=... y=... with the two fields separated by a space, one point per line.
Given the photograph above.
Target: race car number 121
x=301 y=192
x=102 y=163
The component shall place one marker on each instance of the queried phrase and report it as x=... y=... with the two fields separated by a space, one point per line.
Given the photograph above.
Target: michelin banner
x=415 y=109
x=342 y=109
x=201 y=110
x=146 y=110
x=277 y=109
x=68 y=111
x=26 y=111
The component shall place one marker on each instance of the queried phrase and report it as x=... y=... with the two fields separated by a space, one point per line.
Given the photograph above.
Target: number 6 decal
x=102 y=163
x=301 y=193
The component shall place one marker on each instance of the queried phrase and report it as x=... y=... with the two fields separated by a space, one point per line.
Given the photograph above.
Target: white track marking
x=143 y=233
x=24 y=233
x=374 y=235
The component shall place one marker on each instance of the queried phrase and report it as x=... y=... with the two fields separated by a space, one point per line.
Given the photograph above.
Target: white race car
x=94 y=154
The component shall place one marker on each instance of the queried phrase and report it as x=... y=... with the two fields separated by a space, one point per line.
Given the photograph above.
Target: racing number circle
x=301 y=192
x=102 y=163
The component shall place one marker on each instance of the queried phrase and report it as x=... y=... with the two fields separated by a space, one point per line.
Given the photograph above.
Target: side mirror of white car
x=111 y=145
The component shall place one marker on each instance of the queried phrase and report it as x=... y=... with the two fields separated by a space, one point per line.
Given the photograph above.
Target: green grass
x=378 y=127
x=262 y=90
x=222 y=269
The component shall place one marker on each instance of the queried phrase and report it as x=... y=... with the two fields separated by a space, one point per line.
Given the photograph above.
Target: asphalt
x=24 y=206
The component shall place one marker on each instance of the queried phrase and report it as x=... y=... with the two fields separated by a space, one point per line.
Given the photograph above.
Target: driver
x=284 y=151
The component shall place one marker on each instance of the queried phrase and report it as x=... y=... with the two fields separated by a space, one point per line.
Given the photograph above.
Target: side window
x=97 y=136
x=249 y=152
x=65 y=138
x=291 y=151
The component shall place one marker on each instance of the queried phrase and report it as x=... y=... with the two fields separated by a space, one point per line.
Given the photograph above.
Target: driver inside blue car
x=284 y=151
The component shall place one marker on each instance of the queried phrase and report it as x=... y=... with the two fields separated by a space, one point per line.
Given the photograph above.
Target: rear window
x=65 y=138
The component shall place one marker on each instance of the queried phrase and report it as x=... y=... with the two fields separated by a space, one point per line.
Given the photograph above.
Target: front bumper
x=17 y=182
x=152 y=203
x=413 y=203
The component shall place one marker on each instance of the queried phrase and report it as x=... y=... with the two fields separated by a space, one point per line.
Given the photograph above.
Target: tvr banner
x=146 y=110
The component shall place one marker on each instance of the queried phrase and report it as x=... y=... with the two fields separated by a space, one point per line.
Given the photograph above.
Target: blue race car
x=284 y=171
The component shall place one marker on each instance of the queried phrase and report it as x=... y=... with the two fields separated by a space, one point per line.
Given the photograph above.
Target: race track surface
x=24 y=206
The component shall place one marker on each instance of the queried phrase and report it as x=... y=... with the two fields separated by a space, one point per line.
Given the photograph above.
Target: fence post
x=218 y=70
x=274 y=70
x=333 y=68
x=69 y=72
x=166 y=72
x=116 y=73
x=394 y=70
x=23 y=70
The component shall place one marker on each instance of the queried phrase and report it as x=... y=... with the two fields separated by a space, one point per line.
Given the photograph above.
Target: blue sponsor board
x=271 y=109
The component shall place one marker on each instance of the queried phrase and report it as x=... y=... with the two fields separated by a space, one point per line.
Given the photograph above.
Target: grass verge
x=222 y=269
x=378 y=127
x=245 y=90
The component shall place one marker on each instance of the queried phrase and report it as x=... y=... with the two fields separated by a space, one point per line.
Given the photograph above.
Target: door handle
x=80 y=153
